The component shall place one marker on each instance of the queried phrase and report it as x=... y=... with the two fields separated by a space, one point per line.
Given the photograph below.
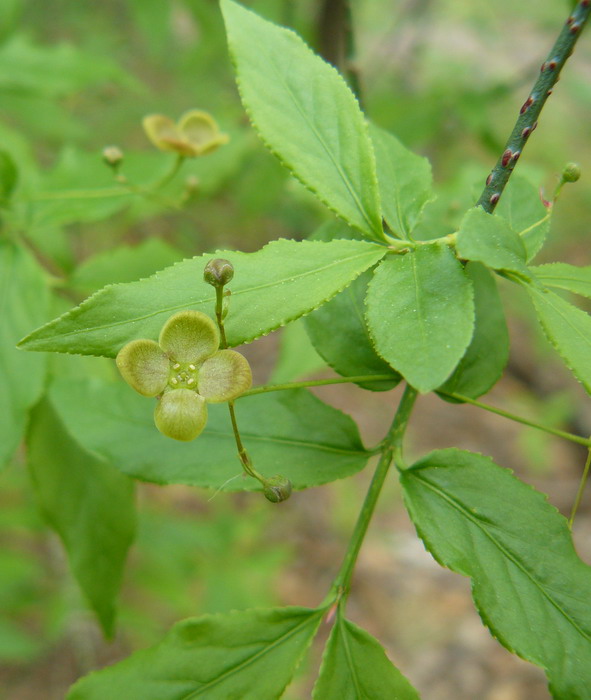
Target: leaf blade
x=529 y=585
x=292 y=433
x=271 y=287
x=568 y=329
x=249 y=654
x=564 y=276
x=420 y=312
x=405 y=181
x=307 y=115
x=355 y=667
x=24 y=301
x=88 y=503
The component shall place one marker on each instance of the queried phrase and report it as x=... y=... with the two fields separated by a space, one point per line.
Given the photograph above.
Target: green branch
x=532 y=107
x=391 y=451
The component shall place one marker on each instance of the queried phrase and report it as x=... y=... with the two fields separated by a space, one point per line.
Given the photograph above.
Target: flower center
x=182 y=375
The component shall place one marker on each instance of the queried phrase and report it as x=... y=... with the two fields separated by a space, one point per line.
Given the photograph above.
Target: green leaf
x=339 y=333
x=297 y=357
x=87 y=502
x=486 y=356
x=568 y=329
x=290 y=432
x=530 y=587
x=420 y=312
x=124 y=264
x=24 y=303
x=405 y=181
x=250 y=654
x=564 y=276
x=489 y=239
x=522 y=208
x=271 y=287
x=355 y=667
x=307 y=115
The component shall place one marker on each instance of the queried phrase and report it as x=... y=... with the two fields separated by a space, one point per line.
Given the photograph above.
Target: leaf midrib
x=176 y=307
x=247 y=662
x=466 y=513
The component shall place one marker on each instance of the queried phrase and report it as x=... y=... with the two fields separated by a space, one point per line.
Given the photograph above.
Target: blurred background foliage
x=448 y=78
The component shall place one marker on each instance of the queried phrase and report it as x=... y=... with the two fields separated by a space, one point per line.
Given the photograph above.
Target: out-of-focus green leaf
x=297 y=357
x=23 y=303
x=530 y=587
x=124 y=264
x=281 y=282
x=87 y=502
x=250 y=654
x=307 y=115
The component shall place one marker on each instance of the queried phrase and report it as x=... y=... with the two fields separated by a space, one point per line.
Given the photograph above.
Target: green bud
x=113 y=156
x=8 y=176
x=277 y=488
x=218 y=272
x=571 y=172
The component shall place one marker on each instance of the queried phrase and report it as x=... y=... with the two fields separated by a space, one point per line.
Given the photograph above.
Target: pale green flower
x=185 y=370
x=195 y=134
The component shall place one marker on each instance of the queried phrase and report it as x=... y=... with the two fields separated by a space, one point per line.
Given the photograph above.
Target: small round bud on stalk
x=218 y=272
x=571 y=172
x=113 y=156
x=277 y=488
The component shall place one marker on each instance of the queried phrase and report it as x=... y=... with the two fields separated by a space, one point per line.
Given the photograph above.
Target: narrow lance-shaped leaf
x=564 y=276
x=355 y=667
x=405 y=181
x=23 y=304
x=530 y=587
x=292 y=433
x=489 y=240
x=568 y=329
x=87 y=502
x=251 y=655
x=271 y=287
x=307 y=115
x=486 y=356
x=420 y=312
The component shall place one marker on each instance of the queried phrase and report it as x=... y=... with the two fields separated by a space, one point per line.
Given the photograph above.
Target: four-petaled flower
x=195 y=134
x=185 y=370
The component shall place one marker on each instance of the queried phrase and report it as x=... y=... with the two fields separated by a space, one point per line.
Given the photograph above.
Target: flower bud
x=277 y=488
x=571 y=172
x=218 y=272
x=113 y=156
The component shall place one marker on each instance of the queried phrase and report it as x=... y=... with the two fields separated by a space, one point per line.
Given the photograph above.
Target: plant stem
x=176 y=166
x=316 y=382
x=518 y=419
x=391 y=451
x=532 y=107
x=580 y=490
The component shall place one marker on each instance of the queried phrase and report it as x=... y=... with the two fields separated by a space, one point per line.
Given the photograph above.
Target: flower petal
x=162 y=132
x=224 y=376
x=181 y=414
x=201 y=130
x=144 y=366
x=189 y=336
